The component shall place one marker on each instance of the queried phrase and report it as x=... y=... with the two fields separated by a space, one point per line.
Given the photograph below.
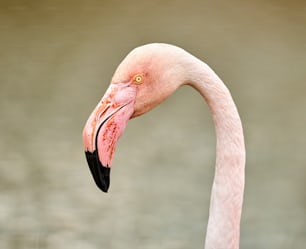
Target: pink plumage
x=147 y=76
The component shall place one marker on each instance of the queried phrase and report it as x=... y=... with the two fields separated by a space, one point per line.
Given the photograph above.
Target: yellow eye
x=138 y=79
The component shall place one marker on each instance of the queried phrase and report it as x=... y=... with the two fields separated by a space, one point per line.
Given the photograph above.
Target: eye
x=138 y=79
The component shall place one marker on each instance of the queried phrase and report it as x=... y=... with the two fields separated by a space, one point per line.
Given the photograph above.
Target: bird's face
x=138 y=85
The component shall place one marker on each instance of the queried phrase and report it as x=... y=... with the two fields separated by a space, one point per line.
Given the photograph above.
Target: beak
x=104 y=127
x=98 y=171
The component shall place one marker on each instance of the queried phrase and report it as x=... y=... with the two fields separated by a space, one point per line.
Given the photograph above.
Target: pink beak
x=104 y=127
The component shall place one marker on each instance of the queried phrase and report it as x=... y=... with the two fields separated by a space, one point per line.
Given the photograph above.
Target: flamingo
x=147 y=76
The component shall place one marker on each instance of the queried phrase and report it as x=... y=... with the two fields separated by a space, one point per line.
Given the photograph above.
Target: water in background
x=57 y=58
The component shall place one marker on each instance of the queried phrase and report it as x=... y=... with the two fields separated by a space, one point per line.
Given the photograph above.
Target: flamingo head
x=144 y=78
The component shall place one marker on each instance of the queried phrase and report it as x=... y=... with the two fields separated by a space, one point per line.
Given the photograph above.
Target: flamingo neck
x=223 y=230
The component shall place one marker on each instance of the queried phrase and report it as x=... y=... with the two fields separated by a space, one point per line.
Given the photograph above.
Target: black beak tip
x=105 y=183
x=100 y=173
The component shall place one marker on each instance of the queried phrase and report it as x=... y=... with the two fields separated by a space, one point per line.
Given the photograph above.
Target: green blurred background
x=56 y=61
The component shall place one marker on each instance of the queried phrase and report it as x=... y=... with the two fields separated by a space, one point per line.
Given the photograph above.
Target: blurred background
x=57 y=59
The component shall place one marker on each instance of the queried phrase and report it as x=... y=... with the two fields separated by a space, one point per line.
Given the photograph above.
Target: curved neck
x=223 y=228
